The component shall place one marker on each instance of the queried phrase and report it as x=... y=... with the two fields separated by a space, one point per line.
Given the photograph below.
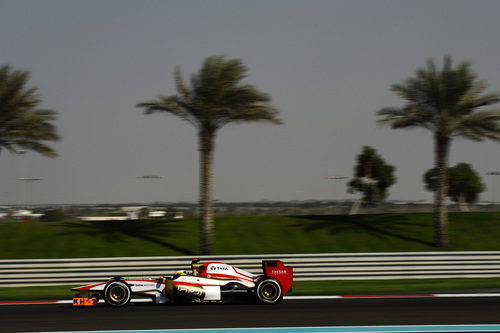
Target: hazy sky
x=327 y=65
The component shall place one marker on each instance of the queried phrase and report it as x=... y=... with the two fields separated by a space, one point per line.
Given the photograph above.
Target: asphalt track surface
x=289 y=313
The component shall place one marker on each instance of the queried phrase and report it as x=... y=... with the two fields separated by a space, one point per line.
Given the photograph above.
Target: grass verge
x=475 y=231
x=299 y=288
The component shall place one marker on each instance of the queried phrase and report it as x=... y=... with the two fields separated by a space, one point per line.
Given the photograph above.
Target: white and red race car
x=208 y=282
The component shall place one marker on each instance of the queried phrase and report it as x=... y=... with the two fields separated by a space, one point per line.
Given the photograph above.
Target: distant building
x=157 y=213
x=103 y=218
x=25 y=213
x=178 y=215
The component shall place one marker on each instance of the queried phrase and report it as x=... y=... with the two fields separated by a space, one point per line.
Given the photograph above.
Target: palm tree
x=449 y=103
x=22 y=125
x=372 y=178
x=214 y=98
x=463 y=183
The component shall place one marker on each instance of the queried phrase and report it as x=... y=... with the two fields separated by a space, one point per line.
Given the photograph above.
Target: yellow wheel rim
x=117 y=293
x=269 y=291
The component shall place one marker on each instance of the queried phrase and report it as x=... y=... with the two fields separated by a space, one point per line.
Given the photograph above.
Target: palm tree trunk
x=206 y=146
x=440 y=210
x=462 y=203
x=355 y=207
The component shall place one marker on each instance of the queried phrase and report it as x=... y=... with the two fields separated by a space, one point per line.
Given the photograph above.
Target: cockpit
x=197 y=267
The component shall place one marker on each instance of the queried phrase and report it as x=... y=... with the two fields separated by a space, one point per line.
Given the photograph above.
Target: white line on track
x=324 y=329
x=391 y=296
x=326 y=297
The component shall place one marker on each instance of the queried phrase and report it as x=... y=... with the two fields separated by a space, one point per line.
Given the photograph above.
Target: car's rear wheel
x=269 y=291
x=117 y=293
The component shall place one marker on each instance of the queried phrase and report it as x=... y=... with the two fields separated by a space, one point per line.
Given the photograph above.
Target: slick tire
x=117 y=293
x=269 y=291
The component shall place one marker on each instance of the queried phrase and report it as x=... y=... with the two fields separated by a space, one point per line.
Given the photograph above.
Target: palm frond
x=408 y=116
x=479 y=126
x=21 y=124
x=215 y=97
x=443 y=101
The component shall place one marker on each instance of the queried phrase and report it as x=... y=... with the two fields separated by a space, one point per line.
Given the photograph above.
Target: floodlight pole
x=149 y=177
x=27 y=180
x=337 y=179
x=493 y=173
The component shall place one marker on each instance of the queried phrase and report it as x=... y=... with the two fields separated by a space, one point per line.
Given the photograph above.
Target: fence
x=307 y=267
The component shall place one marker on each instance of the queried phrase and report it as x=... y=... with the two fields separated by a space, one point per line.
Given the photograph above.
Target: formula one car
x=208 y=282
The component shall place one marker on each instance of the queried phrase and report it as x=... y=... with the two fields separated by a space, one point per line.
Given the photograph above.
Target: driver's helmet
x=180 y=273
x=196 y=266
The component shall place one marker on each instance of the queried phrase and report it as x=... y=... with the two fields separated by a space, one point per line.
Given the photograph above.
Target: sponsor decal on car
x=279 y=271
x=83 y=301
x=219 y=268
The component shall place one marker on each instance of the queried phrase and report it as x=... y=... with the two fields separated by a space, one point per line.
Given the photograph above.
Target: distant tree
x=53 y=215
x=464 y=184
x=22 y=125
x=372 y=178
x=449 y=103
x=214 y=98
x=144 y=213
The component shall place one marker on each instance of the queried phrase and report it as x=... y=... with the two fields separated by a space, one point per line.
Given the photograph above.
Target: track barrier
x=307 y=267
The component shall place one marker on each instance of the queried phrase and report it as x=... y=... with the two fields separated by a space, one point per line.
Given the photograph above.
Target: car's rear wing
x=277 y=270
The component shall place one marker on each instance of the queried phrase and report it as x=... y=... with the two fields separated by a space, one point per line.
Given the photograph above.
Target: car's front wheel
x=269 y=291
x=117 y=293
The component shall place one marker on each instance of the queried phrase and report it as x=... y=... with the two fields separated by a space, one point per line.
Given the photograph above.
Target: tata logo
x=219 y=268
